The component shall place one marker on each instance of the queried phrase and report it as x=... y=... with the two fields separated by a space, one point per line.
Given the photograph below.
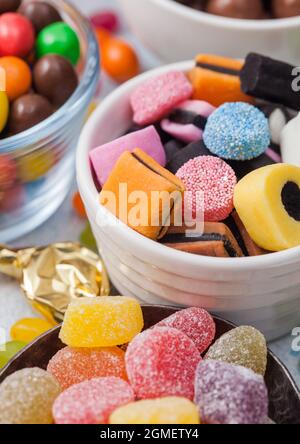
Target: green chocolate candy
x=10 y=350
x=58 y=38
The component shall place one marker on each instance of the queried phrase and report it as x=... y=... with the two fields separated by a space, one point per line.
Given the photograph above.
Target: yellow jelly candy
x=171 y=410
x=243 y=346
x=268 y=203
x=33 y=166
x=4 y=109
x=27 y=329
x=101 y=322
x=27 y=396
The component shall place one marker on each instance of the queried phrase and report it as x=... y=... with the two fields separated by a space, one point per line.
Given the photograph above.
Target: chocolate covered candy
x=41 y=14
x=9 y=5
x=27 y=111
x=285 y=8
x=269 y=79
x=216 y=80
x=217 y=241
x=268 y=203
x=140 y=173
x=55 y=78
x=240 y=9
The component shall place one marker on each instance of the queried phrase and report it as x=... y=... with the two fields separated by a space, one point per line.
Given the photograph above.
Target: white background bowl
x=185 y=32
x=262 y=291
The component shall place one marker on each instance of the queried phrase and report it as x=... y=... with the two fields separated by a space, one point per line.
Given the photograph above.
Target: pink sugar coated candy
x=216 y=180
x=106 y=19
x=230 y=394
x=162 y=362
x=155 y=98
x=74 y=365
x=91 y=402
x=194 y=322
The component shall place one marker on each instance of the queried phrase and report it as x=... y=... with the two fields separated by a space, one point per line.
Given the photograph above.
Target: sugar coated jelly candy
x=267 y=201
x=244 y=346
x=162 y=362
x=28 y=329
x=196 y=323
x=92 y=402
x=169 y=410
x=74 y=365
x=230 y=394
x=101 y=322
x=27 y=396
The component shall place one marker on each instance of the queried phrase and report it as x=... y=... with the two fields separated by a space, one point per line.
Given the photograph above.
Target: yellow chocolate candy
x=171 y=410
x=268 y=203
x=101 y=322
x=33 y=166
x=26 y=330
x=4 y=109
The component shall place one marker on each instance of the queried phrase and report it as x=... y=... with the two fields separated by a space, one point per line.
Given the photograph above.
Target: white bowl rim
x=90 y=194
x=227 y=22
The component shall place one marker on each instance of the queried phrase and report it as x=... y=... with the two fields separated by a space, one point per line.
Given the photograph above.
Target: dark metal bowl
x=283 y=393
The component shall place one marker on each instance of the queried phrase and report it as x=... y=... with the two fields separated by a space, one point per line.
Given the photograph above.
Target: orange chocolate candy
x=138 y=172
x=216 y=80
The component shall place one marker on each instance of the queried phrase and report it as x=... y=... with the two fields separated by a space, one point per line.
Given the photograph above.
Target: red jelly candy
x=16 y=35
x=71 y=366
x=91 y=402
x=194 y=322
x=107 y=20
x=162 y=362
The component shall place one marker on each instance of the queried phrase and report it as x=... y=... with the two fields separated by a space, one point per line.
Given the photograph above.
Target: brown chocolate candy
x=242 y=9
x=27 y=111
x=41 y=14
x=285 y=8
x=9 y=5
x=55 y=78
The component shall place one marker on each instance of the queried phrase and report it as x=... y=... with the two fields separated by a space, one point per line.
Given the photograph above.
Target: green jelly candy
x=58 y=38
x=87 y=238
x=9 y=350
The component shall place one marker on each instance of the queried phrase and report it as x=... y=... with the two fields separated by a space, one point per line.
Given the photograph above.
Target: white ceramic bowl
x=263 y=291
x=186 y=32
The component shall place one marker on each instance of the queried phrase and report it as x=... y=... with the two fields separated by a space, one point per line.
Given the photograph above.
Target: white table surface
x=64 y=226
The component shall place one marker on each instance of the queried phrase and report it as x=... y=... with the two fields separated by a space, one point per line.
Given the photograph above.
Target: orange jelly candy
x=78 y=206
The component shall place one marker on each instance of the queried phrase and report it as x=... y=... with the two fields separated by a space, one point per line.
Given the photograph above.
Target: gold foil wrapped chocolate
x=51 y=277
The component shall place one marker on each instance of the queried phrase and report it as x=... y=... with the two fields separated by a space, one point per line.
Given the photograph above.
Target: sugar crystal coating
x=74 y=365
x=230 y=394
x=209 y=183
x=27 y=396
x=156 y=97
x=91 y=402
x=162 y=362
x=101 y=322
x=244 y=346
x=169 y=410
x=196 y=323
x=237 y=131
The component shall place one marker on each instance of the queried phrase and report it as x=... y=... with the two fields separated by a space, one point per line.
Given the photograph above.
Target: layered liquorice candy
x=172 y=148
x=187 y=121
x=128 y=193
x=217 y=241
x=194 y=149
x=270 y=79
x=216 y=80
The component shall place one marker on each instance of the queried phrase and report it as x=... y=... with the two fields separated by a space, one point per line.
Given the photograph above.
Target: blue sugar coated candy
x=237 y=131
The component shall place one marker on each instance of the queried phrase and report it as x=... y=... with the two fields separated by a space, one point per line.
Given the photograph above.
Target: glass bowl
x=43 y=156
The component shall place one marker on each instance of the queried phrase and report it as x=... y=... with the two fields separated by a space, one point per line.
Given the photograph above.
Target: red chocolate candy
x=41 y=14
x=16 y=35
